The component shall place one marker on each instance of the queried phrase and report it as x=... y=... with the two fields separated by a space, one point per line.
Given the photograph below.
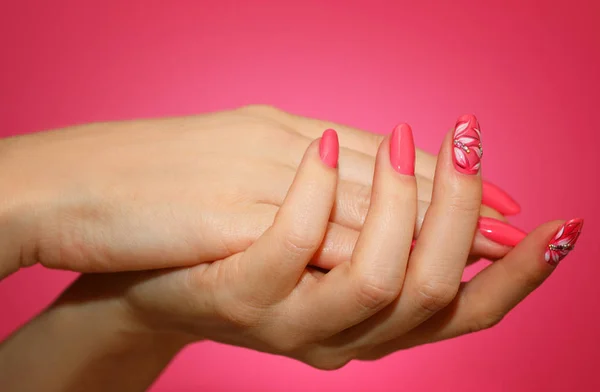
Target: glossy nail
x=467 y=145
x=500 y=232
x=499 y=200
x=402 y=150
x=329 y=148
x=563 y=241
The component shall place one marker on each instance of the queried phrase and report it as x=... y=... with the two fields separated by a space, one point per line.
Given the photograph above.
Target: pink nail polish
x=563 y=241
x=500 y=232
x=329 y=148
x=402 y=150
x=467 y=145
x=499 y=200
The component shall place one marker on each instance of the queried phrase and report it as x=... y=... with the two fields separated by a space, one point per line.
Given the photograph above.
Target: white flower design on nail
x=467 y=145
x=563 y=241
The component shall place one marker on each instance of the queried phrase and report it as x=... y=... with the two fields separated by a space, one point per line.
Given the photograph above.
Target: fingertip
x=500 y=232
x=402 y=150
x=329 y=148
x=466 y=145
x=498 y=199
x=562 y=240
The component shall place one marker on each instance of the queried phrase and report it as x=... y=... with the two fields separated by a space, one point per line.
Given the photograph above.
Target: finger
x=440 y=254
x=272 y=266
x=499 y=200
x=357 y=166
x=491 y=294
x=352 y=204
x=354 y=291
x=357 y=154
x=366 y=143
x=336 y=248
x=347 y=218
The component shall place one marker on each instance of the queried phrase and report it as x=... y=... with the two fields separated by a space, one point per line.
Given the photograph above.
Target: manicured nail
x=402 y=150
x=563 y=241
x=499 y=200
x=329 y=148
x=467 y=145
x=500 y=232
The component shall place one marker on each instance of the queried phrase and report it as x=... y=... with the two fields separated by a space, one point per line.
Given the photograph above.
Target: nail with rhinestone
x=467 y=150
x=563 y=241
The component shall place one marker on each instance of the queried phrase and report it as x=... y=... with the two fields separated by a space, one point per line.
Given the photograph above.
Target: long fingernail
x=329 y=148
x=499 y=200
x=402 y=150
x=467 y=145
x=563 y=241
x=500 y=232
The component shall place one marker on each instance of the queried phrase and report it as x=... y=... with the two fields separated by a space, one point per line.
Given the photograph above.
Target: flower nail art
x=563 y=242
x=467 y=145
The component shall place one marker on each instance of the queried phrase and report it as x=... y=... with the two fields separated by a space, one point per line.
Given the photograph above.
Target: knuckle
x=362 y=197
x=242 y=315
x=464 y=203
x=484 y=320
x=325 y=357
x=298 y=244
x=373 y=293
x=330 y=363
x=286 y=344
x=260 y=109
x=434 y=296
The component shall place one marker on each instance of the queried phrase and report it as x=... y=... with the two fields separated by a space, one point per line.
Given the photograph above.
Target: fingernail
x=499 y=200
x=500 y=232
x=467 y=145
x=329 y=148
x=402 y=150
x=563 y=241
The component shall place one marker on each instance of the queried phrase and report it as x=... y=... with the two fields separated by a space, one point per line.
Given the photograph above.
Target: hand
x=178 y=192
x=382 y=300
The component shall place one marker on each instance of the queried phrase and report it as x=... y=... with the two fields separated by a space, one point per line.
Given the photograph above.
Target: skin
x=177 y=192
x=251 y=285
x=123 y=328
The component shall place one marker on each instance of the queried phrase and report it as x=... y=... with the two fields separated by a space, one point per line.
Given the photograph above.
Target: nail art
x=329 y=148
x=467 y=145
x=402 y=150
x=500 y=232
x=563 y=241
x=499 y=200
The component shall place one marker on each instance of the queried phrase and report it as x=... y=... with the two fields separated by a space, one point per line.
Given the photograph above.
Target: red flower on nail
x=467 y=145
x=564 y=241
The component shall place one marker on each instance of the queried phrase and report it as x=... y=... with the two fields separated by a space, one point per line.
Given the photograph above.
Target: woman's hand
x=382 y=300
x=181 y=191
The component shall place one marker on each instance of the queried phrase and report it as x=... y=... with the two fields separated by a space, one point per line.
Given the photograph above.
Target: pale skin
x=247 y=283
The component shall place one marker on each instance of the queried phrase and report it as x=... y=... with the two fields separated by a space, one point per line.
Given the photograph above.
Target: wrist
x=101 y=298
x=87 y=342
x=12 y=230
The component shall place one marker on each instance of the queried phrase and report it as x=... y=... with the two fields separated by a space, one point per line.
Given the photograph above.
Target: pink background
x=530 y=71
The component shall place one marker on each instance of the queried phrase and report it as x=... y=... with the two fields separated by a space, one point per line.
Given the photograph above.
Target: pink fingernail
x=467 y=145
x=563 y=241
x=402 y=150
x=499 y=200
x=329 y=148
x=500 y=232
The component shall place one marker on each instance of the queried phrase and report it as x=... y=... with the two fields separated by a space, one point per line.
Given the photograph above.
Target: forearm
x=87 y=346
